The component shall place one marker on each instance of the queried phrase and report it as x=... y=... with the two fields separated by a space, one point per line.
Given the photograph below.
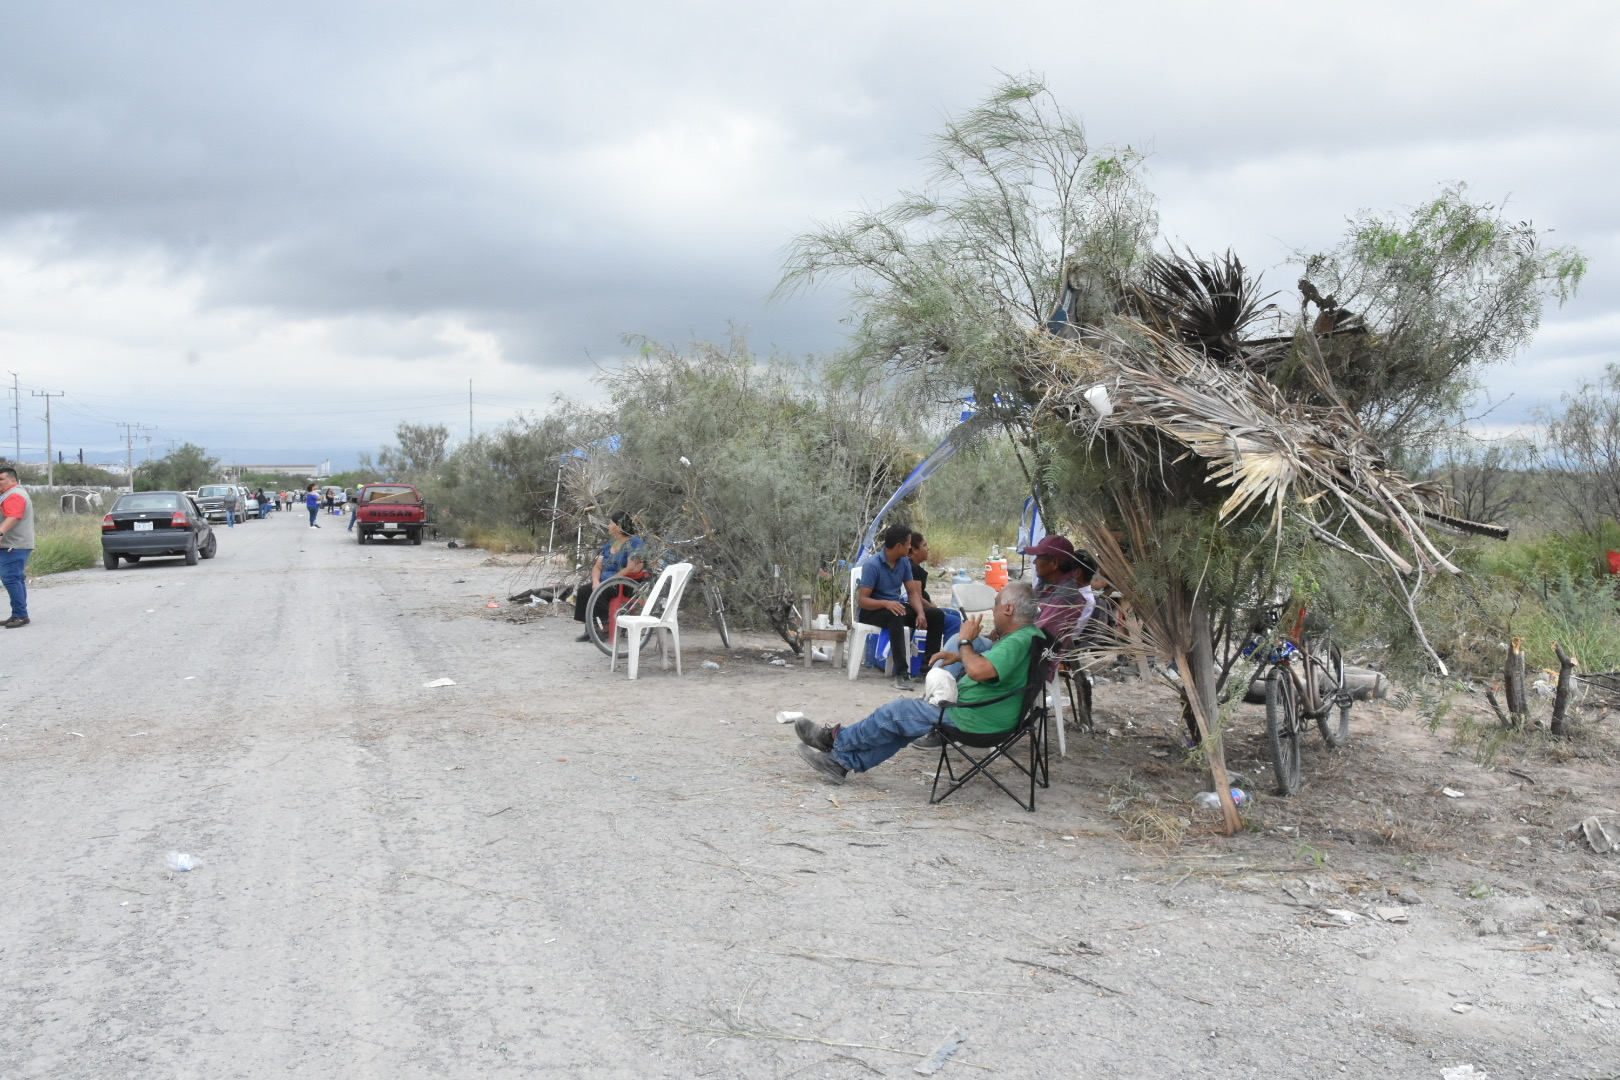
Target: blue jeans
x=351 y=520
x=13 y=561
x=312 y=512
x=230 y=518
x=885 y=733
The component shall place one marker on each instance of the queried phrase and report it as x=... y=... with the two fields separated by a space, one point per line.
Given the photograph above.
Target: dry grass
x=64 y=542
x=947 y=541
x=1145 y=819
x=499 y=538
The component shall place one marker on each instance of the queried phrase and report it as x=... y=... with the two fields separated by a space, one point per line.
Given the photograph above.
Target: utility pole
x=129 y=452
x=469 y=410
x=16 y=419
x=50 y=456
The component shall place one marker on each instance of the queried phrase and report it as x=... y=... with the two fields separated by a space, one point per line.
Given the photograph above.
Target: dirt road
x=545 y=870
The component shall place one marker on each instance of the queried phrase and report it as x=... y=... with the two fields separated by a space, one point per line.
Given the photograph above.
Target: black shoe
x=15 y=621
x=812 y=734
x=904 y=684
x=931 y=741
x=584 y=637
x=823 y=763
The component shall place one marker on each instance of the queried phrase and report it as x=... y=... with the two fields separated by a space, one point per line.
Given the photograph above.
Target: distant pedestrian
x=231 y=503
x=16 y=544
x=264 y=504
x=312 y=499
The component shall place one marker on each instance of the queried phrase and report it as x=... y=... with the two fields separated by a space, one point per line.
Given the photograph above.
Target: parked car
x=155 y=523
x=211 y=501
x=387 y=510
x=246 y=502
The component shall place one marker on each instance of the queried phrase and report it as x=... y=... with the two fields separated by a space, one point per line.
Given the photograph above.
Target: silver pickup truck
x=211 y=501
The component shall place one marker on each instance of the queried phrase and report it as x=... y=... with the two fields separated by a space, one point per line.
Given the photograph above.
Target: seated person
x=936 y=617
x=889 y=596
x=622 y=554
x=835 y=751
x=1063 y=586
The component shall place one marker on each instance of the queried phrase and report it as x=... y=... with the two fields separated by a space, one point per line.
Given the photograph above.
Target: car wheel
x=212 y=549
x=191 y=553
x=416 y=537
x=360 y=536
x=109 y=560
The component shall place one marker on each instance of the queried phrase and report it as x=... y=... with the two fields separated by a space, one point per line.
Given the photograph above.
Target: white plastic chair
x=1054 y=699
x=974 y=598
x=666 y=622
x=855 y=640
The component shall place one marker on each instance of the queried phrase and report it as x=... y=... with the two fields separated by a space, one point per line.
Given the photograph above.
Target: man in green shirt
x=835 y=751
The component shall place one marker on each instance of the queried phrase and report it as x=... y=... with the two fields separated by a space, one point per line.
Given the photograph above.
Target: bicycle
x=1301 y=685
x=627 y=594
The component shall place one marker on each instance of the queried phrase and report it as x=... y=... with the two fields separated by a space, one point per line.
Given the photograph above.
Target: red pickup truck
x=389 y=510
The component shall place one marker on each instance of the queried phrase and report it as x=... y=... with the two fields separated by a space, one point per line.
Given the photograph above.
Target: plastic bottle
x=838 y=616
x=1208 y=800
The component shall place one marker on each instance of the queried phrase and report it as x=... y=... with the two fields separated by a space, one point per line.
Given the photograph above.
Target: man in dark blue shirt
x=891 y=597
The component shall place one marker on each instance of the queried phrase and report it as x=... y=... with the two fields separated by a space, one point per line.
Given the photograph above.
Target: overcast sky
x=276 y=229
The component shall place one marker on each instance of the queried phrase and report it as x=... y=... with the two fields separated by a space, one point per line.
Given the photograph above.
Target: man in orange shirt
x=16 y=544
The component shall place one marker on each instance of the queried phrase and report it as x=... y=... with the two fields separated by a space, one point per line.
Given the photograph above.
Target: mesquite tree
x=1209 y=445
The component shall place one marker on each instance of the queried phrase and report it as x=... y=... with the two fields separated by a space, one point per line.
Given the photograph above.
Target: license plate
x=390 y=524
x=143 y=526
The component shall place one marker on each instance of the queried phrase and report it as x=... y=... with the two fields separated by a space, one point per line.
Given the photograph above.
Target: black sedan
x=155 y=523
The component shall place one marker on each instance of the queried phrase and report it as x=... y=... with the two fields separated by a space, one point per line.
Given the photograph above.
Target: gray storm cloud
x=556 y=177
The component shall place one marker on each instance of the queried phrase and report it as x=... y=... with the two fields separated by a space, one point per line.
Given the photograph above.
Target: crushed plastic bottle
x=1208 y=800
x=180 y=862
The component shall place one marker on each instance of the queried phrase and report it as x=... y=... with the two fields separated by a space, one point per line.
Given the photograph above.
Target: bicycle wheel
x=1283 y=722
x=717 y=611
x=1336 y=699
x=633 y=594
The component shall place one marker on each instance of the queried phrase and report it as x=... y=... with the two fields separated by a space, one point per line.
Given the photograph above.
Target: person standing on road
x=230 y=507
x=16 y=544
x=354 y=511
x=312 y=499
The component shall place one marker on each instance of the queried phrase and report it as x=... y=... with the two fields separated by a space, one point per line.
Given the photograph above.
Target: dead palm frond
x=1262 y=452
x=1208 y=304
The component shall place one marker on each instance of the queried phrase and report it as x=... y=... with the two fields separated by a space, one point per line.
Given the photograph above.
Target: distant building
x=311 y=471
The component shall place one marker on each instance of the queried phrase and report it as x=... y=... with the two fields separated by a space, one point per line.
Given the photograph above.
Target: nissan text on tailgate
x=389 y=510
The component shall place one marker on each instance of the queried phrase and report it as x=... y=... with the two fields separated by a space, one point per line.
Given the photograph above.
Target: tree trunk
x=1566 y=689
x=1518 y=703
x=1197 y=667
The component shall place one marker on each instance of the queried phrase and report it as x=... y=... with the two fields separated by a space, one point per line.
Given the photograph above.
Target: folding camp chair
x=1032 y=723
